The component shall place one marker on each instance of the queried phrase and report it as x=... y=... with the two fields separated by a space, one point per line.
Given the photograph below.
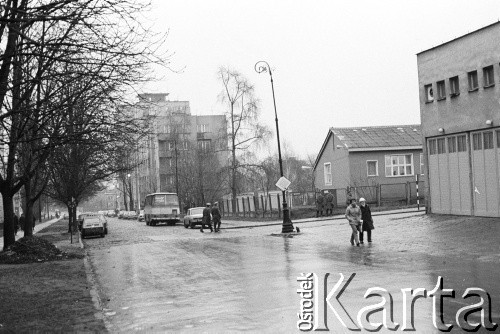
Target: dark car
x=193 y=217
x=93 y=226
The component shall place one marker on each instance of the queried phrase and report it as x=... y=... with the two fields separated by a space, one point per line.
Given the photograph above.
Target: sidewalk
x=37 y=229
x=231 y=224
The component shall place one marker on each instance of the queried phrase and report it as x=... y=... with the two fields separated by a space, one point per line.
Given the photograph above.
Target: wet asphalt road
x=172 y=279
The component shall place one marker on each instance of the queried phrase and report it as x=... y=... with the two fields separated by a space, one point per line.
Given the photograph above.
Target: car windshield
x=197 y=211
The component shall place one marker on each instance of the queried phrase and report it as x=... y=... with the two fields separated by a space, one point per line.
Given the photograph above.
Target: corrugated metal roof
x=380 y=136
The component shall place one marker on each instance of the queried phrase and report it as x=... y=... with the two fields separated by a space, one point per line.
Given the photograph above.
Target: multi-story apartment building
x=181 y=150
x=459 y=108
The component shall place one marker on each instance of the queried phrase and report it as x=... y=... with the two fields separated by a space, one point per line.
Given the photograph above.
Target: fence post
x=262 y=205
x=249 y=207
x=379 y=194
x=237 y=213
x=243 y=205
x=407 y=186
x=270 y=205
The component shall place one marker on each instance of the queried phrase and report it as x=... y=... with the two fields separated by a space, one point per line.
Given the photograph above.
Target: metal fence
x=270 y=204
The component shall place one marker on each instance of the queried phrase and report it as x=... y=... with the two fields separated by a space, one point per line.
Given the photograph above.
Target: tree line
x=66 y=67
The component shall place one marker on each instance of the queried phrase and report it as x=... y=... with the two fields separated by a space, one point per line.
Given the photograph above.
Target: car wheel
x=106 y=231
x=186 y=225
x=192 y=224
x=102 y=235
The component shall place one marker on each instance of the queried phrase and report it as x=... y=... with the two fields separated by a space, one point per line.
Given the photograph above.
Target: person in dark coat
x=329 y=203
x=366 y=217
x=319 y=204
x=216 y=216
x=207 y=218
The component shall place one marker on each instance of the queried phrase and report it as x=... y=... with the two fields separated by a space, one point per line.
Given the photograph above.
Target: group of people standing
x=211 y=213
x=324 y=203
x=360 y=220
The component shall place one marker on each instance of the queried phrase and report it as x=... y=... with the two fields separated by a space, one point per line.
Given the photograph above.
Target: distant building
x=459 y=109
x=366 y=157
x=168 y=155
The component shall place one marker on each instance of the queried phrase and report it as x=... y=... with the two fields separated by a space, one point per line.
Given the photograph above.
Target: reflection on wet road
x=168 y=278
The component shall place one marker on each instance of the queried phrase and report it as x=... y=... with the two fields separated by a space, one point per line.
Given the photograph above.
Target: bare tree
x=54 y=54
x=244 y=129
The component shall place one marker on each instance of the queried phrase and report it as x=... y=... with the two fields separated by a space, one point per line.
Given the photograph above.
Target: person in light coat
x=353 y=216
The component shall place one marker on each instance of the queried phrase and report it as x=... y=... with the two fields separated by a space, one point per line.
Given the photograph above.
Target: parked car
x=193 y=217
x=111 y=213
x=93 y=226
x=131 y=215
x=84 y=215
x=140 y=217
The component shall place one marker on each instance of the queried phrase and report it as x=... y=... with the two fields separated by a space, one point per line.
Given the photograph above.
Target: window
x=171 y=145
x=202 y=128
x=462 y=143
x=441 y=90
x=162 y=145
x=184 y=145
x=204 y=145
x=398 y=165
x=488 y=140
x=472 y=77
x=452 y=144
x=477 y=143
x=328 y=173
x=421 y=164
x=432 y=147
x=170 y=180
x=441 y=144
x=166 y=128
x=429 y=93
x=454 y=87
x=488 y=76
x=372 y=167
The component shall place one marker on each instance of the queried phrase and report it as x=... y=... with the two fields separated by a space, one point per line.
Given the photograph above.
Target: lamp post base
x=287 y=226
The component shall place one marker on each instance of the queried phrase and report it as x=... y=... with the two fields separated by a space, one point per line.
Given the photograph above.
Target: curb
x=94 y=294
x=322 y=219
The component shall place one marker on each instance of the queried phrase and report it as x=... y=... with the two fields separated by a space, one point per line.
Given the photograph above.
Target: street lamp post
x=287 y=227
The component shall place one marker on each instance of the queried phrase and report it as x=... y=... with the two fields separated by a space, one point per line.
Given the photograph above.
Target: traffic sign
x=283 y=183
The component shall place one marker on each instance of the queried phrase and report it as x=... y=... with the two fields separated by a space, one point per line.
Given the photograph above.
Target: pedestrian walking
x=353 y=215
x=16 y=223
x=216 y=216
x=329 y=204
x=366 y=220
x=207 y=219
x=319 y=204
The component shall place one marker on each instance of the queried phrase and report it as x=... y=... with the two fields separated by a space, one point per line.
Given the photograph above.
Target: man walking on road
x=216 y=216
x=207 y=219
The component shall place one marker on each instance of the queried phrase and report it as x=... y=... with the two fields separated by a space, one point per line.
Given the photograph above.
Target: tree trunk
x=8 y=216
x=28 y=207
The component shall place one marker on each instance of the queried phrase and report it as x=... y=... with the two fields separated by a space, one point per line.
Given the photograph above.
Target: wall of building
x=461 y=114
x=359 y=173
x=469 y=110
x=338 y=157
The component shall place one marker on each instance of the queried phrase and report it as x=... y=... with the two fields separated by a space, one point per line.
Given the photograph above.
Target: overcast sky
x=336 y=63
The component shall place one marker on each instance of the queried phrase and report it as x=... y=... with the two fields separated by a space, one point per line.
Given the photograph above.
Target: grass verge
x=51 y=296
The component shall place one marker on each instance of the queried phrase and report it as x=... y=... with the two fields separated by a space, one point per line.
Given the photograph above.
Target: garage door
x=449 y=180
x=485 y=172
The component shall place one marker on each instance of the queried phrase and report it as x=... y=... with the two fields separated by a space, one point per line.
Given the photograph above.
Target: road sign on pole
x=283 y=183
